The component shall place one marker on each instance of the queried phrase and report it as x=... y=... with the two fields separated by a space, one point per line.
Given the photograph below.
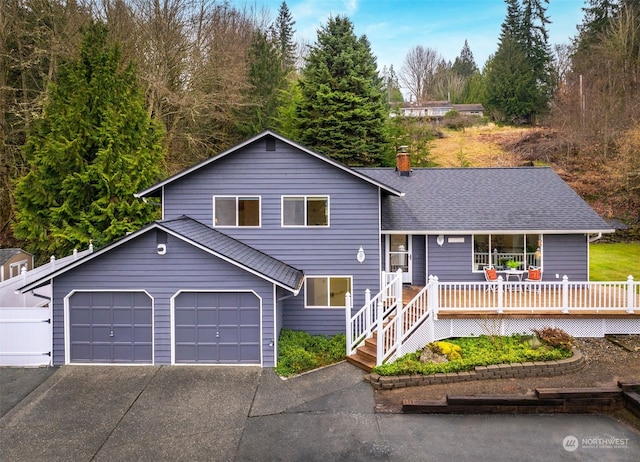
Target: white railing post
x=380 y=342
x=565 y=294
x=500 y=295
x=631 y=296
x=436 y=297
x=398 y=288
x=347 y=315
x=368 y=311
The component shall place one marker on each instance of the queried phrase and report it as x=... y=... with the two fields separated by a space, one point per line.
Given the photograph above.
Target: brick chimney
x=403 y=162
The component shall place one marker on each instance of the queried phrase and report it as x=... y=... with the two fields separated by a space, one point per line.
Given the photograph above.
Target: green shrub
x=299 y=351
x=477 y=351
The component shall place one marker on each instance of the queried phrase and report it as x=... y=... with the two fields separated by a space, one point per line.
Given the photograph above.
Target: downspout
x=594 y=239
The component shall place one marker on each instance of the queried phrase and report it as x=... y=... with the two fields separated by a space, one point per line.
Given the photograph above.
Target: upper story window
x=235 y=211
x=305 y=211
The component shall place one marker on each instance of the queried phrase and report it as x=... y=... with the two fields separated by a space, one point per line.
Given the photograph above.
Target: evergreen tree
x=342 y=112
x=523 y=50
x=391 y=85
x=282 y=32
x=465 y=65
x=93 y=148
x=267 y=79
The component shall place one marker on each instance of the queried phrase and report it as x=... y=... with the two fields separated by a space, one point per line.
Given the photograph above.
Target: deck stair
x=365 y=355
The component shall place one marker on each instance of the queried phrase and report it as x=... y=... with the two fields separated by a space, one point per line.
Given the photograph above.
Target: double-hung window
x=305 y=211
x=327 y=291
x=236 y=211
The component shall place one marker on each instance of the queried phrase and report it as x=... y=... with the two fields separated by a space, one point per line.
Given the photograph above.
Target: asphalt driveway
x=247 y=413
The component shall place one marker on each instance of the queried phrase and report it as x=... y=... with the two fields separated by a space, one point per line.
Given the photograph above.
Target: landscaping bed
x=605 y=364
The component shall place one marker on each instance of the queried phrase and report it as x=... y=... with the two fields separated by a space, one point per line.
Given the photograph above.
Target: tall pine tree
x=342 y=111
x=519 y=77
x=93 y=148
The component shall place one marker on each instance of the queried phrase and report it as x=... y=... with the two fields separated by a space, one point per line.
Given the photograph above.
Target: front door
x=399 y=255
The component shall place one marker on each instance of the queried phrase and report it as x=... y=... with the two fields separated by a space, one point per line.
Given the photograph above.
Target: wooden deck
x=519 y=303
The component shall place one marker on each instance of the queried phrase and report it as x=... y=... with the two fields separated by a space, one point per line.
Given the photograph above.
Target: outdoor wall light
x=360 y=256
x=440 y=240
x=271 y=342
x=162 y=249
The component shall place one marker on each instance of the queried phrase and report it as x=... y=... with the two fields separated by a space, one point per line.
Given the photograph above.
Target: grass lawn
x=614 y=262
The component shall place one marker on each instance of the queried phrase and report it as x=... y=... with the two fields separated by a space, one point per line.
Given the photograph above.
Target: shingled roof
x=463 y=200
x=235 y=251
x=209 y=240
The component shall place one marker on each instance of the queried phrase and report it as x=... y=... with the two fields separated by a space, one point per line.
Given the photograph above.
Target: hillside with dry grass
x=604 y=180
x=477 y=146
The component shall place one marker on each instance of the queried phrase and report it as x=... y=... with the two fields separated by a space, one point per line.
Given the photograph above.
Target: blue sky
x=395 y=26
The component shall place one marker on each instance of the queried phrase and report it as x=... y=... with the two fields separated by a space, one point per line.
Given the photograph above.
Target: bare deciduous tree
x=418 y=72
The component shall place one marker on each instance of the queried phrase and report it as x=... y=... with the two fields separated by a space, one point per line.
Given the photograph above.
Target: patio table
x=516 y=274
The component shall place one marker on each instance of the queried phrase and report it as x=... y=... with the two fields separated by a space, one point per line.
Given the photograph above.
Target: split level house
x=270 y=235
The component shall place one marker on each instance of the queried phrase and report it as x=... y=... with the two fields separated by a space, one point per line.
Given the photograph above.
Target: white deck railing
x=369 y=318
x=563 y=297
x=413 y=323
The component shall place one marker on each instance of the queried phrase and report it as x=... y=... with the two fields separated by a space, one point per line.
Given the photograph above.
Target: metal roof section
x=464 y=200
x=156 y=189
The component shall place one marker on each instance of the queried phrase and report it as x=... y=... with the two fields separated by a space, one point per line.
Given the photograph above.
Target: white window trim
x=305 y=197
x=328 y=277
x=236 y=197
x=17 y=265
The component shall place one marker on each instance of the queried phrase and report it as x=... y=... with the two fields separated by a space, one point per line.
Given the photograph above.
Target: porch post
x=630 y=294
x=347 y=315
x=565 y=294
x=500 y=295
x=368 y=311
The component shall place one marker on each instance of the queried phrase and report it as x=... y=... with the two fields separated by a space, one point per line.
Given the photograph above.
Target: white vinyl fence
x=25 y=336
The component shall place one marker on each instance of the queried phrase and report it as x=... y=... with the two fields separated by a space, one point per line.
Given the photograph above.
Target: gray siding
x=452 y=262
x=565 y=254
x=135 y=265
x=354 y=220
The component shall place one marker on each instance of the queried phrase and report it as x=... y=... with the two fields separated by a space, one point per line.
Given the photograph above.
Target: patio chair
x=534 y=274
x=491 y=275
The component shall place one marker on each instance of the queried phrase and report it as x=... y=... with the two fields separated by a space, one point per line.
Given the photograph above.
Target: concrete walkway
x=247 y=413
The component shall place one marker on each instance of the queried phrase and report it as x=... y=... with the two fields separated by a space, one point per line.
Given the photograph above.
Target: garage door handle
x=111 y=334
x=217 y=334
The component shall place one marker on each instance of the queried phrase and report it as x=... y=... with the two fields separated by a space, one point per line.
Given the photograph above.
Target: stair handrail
x=370 y=317
x=407 y=319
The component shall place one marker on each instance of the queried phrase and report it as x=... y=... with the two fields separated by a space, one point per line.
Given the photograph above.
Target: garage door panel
x=101 y=315
x=122 y=315
x=247 y=352
x=206 y=334
x=249 y=334
x=81 y=333
x=206 y=316
x=111 y=327
x=217 y=318
x=186 y=334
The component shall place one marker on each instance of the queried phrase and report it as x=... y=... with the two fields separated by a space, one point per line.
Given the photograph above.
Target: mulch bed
x=607 y=361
